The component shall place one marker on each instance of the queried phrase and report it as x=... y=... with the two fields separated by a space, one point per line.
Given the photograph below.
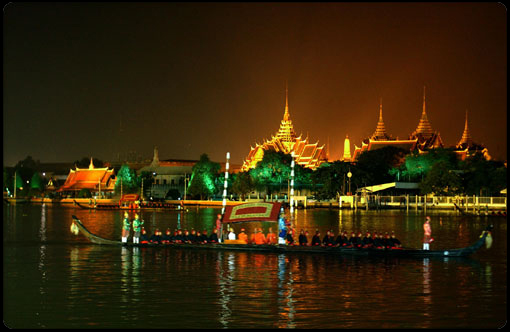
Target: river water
x=54 y=279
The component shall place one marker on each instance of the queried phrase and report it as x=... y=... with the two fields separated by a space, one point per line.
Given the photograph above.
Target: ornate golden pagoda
x=381 y=139
x=380 y=130
x=427 y=138
x=466 y=137
x=466 y=147
x=309 y=155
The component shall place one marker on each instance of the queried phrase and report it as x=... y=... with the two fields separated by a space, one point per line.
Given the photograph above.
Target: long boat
x=480 y=212
x=142 y=206
x=401 y=252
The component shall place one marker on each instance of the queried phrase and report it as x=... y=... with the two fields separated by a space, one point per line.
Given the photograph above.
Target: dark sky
x=96 y=79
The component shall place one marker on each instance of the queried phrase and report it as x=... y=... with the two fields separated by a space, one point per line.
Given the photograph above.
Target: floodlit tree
x=126 y=177
x=243 y=184
x=36 y=182
x=203 y=177
x=441 y=180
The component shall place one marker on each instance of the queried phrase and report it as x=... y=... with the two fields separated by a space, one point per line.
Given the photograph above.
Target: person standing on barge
x=126 y=226
x=427 y=234
x=137 y=227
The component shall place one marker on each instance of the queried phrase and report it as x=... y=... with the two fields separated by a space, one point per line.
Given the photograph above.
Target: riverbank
x=466 y=204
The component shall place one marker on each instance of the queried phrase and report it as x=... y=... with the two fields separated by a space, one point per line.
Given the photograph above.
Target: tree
x=374 y=166
x=416 y=165
x=328 y=179
x=203 y=177
x=441 y=180
x=36 y=182
x=126 y=177
x=272 y=172
x=243 y=184
x=483 y=176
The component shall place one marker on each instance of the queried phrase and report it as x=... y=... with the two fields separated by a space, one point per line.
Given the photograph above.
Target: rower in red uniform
x=214 y=236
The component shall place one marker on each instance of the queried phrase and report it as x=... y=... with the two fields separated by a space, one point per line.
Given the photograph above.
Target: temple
x=422 y=139
x=381 y=139
x=427 y=138
x=97 y=180
x=466 y=147
x=306 y=154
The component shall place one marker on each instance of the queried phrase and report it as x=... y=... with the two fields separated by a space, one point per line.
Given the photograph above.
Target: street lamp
x=349 y=175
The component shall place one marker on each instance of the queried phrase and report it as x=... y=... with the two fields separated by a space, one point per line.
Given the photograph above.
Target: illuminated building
x=422 y=139
x=97 y=180
x=306 y=154
x=427 y=138
x=347 y=149
x=381 y=139
x=466 y=147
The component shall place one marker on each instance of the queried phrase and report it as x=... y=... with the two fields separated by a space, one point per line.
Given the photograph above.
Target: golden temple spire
x=424 y=126
x=286 y=115
x=466 y=137
x=286 y=132
x=380 y=131
x=91 y=166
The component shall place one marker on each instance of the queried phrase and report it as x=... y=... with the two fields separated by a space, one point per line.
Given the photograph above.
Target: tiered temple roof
x=426 y=136
x=381 y=139
x=423 y=138
x=309 y=155
x=91 y=178
x=467 y=147
x=380 y=130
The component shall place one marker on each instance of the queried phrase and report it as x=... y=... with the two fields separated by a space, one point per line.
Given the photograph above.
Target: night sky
x=95 y=79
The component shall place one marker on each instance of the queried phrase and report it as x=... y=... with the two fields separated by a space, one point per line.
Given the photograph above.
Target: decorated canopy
x=260 y=211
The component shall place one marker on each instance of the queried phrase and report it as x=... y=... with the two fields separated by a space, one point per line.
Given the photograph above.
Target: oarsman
x=204 y=238
x=271 y=237
x=167 y=238
x=290 y=239
x=126 y=226
x=339 y=241
x=156 y=237
x=193 y=237
x=143 y=237
x=137 y=227
x=395 y=242
x=352 y=239
x=368 y=242
x=387 y=241
x=186 y=237
x=376 y=241
x=303 y=241
x=316 y=240
x=214 y=236
x=325 y=240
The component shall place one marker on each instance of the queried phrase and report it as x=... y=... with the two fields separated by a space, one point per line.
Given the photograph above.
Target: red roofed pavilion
x=93 y=179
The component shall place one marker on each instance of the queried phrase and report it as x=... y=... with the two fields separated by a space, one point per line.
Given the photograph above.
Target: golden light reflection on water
x=247 y=290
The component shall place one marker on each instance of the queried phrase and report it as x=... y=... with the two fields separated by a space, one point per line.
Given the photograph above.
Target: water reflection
x=131 y=287
x=285 y=293
x=225 y=281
